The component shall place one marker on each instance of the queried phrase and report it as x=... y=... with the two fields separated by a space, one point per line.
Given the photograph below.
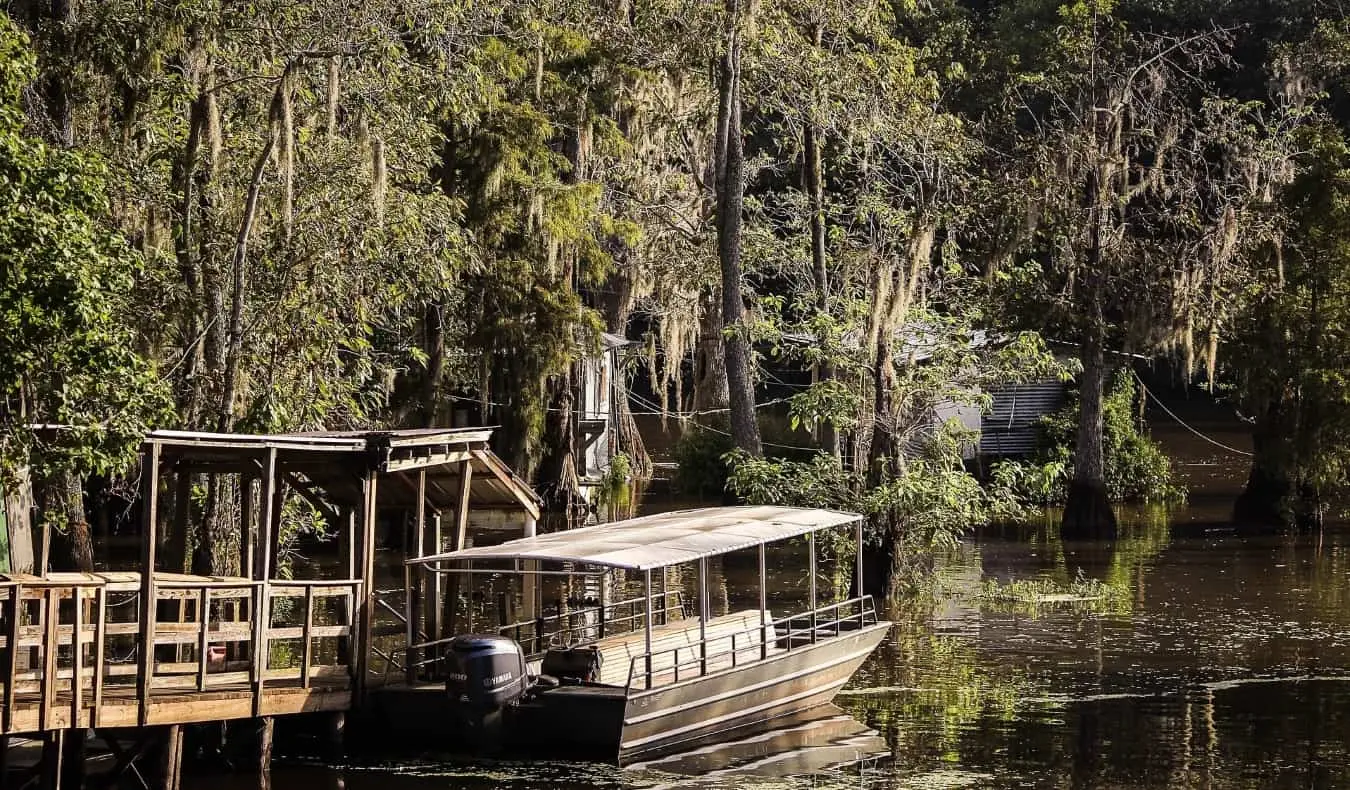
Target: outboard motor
x=487 y=675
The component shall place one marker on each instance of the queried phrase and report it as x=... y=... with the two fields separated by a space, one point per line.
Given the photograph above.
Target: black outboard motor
x=487 y=675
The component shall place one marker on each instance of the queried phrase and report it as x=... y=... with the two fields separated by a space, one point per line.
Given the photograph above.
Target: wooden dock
x=137 y=656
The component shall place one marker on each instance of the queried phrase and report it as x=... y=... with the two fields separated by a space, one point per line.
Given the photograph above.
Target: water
x=1222 y=660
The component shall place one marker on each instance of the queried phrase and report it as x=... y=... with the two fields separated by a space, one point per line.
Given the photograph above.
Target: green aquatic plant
x=1036 y=596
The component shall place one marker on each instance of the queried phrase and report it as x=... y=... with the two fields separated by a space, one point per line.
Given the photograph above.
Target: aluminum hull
x=638 y=724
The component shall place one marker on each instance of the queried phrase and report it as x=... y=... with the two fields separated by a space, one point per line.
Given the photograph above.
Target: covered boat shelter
x=415 y=490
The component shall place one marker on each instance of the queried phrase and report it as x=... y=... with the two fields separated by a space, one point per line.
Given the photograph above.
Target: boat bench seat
x=619 y=651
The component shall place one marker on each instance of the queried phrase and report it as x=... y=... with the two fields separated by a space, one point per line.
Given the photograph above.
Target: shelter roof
x=334 y=463
x=660 y=540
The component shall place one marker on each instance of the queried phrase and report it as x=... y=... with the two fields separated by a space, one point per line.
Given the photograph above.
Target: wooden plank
x=522 y=493
x=149 y=520
x=52 y=616
x=307 y=654
x=100 y=623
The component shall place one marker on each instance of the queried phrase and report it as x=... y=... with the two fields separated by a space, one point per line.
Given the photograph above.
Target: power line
x=1183 y=423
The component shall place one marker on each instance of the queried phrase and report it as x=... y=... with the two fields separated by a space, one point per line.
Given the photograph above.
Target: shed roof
x=661 y=540
x=334 y=461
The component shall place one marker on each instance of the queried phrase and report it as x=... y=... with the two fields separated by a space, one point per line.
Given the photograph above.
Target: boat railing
x=588 y=623
x=727 y=651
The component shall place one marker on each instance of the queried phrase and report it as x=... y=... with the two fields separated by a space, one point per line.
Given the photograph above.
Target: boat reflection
x=824 y=740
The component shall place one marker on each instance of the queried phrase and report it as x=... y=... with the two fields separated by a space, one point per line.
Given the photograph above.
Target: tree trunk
x=558 y=470
x=1087 y=513
x=70 y=496
x=710 y=370
x=814 y=178
x=731 y=188
x=1263 y=501
x=18 y=505
x=434 y=326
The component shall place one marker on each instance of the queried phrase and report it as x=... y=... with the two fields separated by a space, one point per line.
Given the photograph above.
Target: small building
x=598 y=404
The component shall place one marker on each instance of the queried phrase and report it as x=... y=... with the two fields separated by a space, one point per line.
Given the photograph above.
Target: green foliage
x=1137 y=470
x=700 y=465
x=67 y=352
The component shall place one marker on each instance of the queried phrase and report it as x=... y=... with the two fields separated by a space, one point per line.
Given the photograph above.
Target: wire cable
x=1183 y=423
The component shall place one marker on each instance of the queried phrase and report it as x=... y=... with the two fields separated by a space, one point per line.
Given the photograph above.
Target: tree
x=1142 y=179
x=67 y=351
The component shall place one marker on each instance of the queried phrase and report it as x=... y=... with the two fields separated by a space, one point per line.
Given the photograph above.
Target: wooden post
x=53 y=750
x=145 y=671
x=51 y=621
x=171 y=759
x=307 y=652
x=262 y=593
x=366 y=611
x=435 y=590
x=77 y=656
x=100 y=620
x=246 y=527
x=266 y=729
x=72 y=759
x=337 y=736
x=9 y=660
x=416 y=576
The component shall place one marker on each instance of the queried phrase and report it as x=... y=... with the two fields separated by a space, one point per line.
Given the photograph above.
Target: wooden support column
x=72 y=759
x=266 y=729
x=262 y=594
x=336 y=737
x=459 y=540
x=413 y=577
x=170 y=774
x=366 y=610
x=149 y=518
x=53 y=751
x=247 y=539
x=435 y=604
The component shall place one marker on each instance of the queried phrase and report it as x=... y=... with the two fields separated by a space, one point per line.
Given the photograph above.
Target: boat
x=636 y=679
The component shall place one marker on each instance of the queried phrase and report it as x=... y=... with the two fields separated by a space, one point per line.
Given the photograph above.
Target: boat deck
x=676 y=645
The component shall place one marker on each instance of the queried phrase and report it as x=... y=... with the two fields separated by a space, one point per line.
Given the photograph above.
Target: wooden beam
x=523 y=494
x=418 y=489
x=246 y=535
x=413 y=577
x=462 y=504
x=422 y=462
x=149 y=518
x=311 y=496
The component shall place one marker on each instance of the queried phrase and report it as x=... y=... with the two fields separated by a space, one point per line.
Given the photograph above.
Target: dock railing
x=722 y=651
x=71 y=642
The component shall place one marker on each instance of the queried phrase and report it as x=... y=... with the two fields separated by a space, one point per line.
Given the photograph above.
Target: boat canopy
x=659 y=540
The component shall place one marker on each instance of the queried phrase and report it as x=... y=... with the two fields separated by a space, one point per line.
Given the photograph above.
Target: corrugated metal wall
x=1008 y=427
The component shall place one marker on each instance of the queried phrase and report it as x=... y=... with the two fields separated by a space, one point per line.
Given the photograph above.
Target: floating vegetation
x=1034 y=595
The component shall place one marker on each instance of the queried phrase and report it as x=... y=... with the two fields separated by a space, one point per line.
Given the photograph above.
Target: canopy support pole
x=811 y=542
x=703 y=612
x=763 y=605
x=859 y=538
x=647 y=625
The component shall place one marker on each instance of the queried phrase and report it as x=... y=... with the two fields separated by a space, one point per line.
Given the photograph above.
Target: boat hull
x=683 y=715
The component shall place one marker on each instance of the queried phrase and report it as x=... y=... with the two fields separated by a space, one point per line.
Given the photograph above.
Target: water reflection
x=1223 y=663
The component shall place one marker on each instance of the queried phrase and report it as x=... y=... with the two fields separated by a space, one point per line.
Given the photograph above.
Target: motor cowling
x=486 y=675
x=487 y=672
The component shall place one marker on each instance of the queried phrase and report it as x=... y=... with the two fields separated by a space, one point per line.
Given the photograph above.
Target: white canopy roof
x=659 y=540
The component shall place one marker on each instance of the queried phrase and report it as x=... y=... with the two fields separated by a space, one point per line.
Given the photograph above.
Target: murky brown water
x=1221 y=661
